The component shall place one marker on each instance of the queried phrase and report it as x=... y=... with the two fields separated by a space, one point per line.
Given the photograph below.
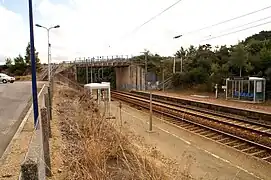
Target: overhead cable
x=225 y=21
x=245 y=24
x=148 y=21
x=236 y=31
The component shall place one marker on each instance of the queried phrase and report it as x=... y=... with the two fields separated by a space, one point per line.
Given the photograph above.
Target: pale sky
x=104 y=27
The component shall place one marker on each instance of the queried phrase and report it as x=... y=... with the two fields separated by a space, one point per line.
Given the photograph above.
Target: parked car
x=5 y=78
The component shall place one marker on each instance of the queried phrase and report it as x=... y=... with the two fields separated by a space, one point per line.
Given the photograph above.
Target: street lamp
x=174 y=61
x=48 y=35
x=176 y=37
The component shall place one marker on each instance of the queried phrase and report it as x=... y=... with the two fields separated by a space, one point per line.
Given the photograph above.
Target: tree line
x=204 y=66
x=20 y=65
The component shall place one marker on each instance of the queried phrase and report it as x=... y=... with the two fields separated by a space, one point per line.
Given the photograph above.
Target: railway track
x=247 y=114
x=243 y=135
x=230 y=119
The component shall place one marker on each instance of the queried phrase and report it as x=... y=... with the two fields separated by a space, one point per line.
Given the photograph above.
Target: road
x=13 y=101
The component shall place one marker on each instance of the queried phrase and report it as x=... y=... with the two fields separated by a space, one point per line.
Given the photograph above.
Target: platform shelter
x=250 y=89
x=103 y=93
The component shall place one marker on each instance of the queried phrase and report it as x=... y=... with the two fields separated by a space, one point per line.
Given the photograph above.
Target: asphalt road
x=13 y=101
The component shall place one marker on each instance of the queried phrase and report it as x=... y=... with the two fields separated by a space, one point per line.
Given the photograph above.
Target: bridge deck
x=104 y=64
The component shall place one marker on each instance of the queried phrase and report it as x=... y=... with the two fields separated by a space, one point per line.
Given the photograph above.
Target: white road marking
x=187 y=142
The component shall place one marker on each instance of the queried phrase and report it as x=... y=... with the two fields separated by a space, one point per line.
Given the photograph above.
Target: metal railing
x=165 y=83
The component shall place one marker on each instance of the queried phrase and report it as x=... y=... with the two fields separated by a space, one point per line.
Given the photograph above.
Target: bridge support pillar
x=130 y=78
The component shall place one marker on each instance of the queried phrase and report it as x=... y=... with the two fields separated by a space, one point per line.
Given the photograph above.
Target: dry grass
x=92 y=148
x=23 y=78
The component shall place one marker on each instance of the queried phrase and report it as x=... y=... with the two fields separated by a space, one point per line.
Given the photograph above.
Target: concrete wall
x=122 y=77
x=130 y=78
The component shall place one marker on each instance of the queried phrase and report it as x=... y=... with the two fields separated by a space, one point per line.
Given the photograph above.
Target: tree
x=19 y=66
x=19 y=60
x=261 y=36
x=180 y=53
x=28 y=57
x=9 y=65
x=8 y=62
x=205 y=66
x=238 y=57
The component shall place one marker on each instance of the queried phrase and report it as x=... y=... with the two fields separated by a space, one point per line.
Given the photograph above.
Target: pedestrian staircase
x=167 y=83
x=56 y=68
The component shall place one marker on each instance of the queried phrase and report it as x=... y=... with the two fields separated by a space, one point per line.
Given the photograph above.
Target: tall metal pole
x=146 y=70
x=163 y=77
x=150 y=123
x=33 y=65
x=49 y=66
x=176 y=37
x=49 y=47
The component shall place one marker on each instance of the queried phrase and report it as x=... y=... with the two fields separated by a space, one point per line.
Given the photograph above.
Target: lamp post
x=174 y=61
x=146 y=70
x=163 y=75
x=48 y=36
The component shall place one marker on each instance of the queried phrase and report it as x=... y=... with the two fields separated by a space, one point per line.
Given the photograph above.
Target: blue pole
x=33 y=65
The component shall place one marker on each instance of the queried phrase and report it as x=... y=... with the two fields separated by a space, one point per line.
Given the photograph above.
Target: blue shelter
x=246 y=89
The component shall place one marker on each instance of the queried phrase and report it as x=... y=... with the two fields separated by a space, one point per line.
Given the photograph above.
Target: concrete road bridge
x=130 y=75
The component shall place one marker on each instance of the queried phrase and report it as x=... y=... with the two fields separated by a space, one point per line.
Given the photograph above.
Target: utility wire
x=245 y=24
x=225 y=21
x=232 y=28
x=236 y=31
x=136 y=29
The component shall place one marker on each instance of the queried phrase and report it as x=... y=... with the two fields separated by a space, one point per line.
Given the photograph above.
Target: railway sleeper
x=213 y=134
x=218 y=137
x=251 y=151
x=185 y=125
x=194 y=128
x=200 y=131
x=262 y=155
x=240 y=144
x=247 y=149
x=231 y=142
x=204 y=133
x=267 y=158
x=258 y=152
x=266 y=130
x=224 y=139
x=234 y=143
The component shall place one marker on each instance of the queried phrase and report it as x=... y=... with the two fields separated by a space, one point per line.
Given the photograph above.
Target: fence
x=37 y=164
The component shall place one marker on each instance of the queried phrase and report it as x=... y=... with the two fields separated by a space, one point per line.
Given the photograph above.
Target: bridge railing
x=100 y=59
